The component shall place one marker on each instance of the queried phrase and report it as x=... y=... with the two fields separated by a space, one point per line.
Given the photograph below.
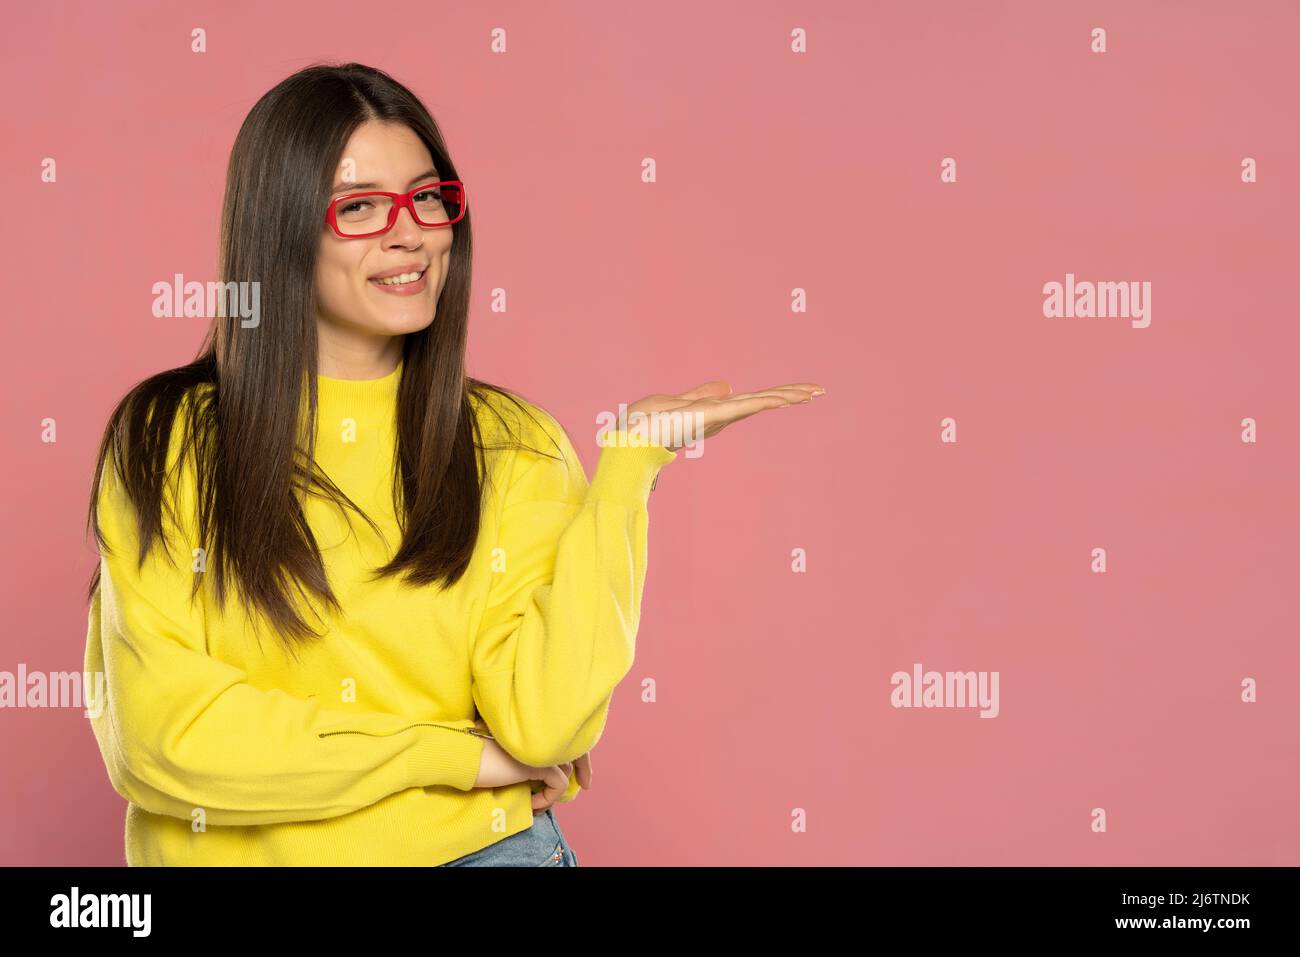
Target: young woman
x=354 y=606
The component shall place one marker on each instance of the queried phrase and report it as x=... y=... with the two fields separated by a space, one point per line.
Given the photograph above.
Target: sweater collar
x=358 y=397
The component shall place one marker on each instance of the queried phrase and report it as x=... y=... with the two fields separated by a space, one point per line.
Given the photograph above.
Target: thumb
x=715 y=389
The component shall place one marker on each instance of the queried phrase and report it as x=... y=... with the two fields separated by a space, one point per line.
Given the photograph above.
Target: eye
x=430 y=195
x=352 y=207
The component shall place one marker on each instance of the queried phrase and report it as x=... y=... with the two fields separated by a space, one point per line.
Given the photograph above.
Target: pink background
x=776 y=171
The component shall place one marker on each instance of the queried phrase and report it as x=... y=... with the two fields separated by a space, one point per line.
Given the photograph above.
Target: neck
x=374 y=359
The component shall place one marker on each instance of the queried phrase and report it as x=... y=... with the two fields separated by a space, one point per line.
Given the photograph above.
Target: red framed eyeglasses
x=434 y=204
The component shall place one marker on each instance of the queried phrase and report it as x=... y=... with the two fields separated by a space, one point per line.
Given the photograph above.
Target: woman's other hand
x=497 y=768
x=553 y=789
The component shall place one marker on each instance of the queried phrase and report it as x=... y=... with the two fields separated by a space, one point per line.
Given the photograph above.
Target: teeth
x=399 y=280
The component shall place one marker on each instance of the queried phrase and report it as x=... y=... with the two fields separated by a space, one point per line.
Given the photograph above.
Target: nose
x=406 y=232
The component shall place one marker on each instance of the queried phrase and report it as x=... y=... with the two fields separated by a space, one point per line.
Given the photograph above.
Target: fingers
x=810 y=387
x=795 y=392
x=555 y=781
x=747 y=403
x=582 y=765
x=736 y=408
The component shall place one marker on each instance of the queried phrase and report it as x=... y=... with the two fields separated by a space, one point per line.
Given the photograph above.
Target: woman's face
x=355 y=314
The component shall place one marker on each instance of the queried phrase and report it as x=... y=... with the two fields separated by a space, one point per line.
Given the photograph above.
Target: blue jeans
x=542 y=845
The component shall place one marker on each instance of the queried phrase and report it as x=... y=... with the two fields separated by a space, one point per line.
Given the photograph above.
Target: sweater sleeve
x=558 y=630
x=181 y=730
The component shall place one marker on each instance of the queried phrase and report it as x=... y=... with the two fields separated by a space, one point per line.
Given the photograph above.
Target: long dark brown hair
x=243 y=434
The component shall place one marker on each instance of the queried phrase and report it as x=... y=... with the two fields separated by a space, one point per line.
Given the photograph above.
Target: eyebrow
x=357 y=187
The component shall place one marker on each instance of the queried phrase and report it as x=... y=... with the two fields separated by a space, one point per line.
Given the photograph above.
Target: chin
x=399 y=325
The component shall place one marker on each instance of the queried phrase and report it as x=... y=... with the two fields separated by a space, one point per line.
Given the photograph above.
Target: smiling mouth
x=405 y=279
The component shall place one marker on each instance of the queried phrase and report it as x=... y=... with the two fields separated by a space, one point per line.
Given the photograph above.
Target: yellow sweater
x=362 y=751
